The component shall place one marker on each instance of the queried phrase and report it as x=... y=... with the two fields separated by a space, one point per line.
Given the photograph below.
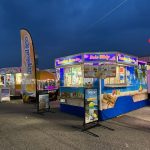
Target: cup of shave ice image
x=91 y=108
x=95 y=115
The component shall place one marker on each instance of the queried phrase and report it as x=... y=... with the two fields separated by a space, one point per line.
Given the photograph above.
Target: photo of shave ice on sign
x=91 y=105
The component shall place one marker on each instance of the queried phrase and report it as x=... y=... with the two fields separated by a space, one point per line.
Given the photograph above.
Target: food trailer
x=120 y=79
x=11 y=78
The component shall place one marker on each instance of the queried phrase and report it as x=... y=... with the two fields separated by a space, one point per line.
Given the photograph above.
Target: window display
x=73 y=76
x=68 y=77
x=77 y=79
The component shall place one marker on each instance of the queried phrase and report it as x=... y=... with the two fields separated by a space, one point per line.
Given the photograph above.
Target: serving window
x=73 y=76
x=120 y=78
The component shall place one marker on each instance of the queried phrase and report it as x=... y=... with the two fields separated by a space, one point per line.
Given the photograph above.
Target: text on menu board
x=100 y=57
x=68 y=60
x=127 y=59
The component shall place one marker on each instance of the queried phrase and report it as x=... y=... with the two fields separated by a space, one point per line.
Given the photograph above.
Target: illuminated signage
x=100 y=57
x=70 y=60
x=127 y=59
x=142 y=62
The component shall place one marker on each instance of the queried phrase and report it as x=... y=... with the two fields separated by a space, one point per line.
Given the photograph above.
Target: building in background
x=11 y=78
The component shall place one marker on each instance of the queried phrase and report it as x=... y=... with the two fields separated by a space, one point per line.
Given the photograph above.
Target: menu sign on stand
x=43 y=102
x=5 y=94
x=91 y=106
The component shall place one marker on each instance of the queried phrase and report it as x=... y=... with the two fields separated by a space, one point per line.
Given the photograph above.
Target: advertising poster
x=43 y=102
x=28 y=66
x=5 y=94
x=91 y=105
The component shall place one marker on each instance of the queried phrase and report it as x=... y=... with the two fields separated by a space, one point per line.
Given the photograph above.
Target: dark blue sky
x=64 y=27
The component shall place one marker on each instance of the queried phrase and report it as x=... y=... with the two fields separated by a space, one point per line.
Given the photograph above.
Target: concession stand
x=120 y=79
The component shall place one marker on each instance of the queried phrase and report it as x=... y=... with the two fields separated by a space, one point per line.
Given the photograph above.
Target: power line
x=108 y=14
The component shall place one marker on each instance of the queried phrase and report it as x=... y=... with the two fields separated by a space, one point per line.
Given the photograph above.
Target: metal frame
x=42 y=93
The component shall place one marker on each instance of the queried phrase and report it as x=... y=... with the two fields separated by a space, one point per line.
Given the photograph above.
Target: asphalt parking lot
x=22 y=129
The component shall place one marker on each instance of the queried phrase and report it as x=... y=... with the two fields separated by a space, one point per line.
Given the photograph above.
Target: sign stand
x=91 y=112
x=4 y=94
x=43 y=103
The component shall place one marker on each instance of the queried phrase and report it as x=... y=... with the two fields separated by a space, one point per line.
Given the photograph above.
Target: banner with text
x=28 y=65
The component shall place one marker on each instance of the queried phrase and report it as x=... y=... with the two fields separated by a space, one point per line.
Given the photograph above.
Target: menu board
x=5 y=94
x=91 y=71
x=102 y=71
x=107 y=71
x=43 y=101
x=119 y=78
x=91 y=105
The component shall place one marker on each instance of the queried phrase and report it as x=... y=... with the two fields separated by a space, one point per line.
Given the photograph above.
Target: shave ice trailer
x=121 y=81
